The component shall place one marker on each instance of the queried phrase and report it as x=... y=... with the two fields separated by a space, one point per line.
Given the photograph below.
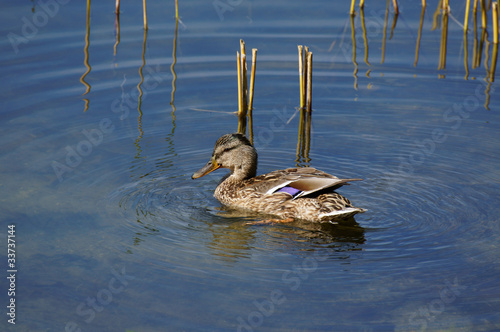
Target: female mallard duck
x=303 y=193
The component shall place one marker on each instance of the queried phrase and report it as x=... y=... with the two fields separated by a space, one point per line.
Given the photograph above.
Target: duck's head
x=233 y=151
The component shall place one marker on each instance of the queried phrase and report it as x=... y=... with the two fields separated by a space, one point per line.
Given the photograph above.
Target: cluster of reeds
x=440 y=20
x=245 y=94
x=305 y=84
x=305 y=77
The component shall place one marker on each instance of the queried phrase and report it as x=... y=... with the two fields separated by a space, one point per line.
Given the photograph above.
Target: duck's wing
x=309 y=185
x=297 y=182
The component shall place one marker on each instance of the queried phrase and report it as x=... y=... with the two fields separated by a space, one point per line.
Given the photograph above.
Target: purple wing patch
x=289 y=190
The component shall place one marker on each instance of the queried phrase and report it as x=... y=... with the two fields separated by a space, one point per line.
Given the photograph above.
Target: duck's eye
x=226 y=149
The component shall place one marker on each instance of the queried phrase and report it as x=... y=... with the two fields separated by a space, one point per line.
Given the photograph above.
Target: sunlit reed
x=352 y=12
x=117 y=27
x=145 y=14
x=304 y=135
x=444 y=40
x=245 y=102
x=301 y=75
x=252 y=81
x=309 y=81
x=305 y=77
x=365 y=39
x=446 y=6
x=250 y=98
x=117 y=7
x=484 y=17
x=361 y=4
x=395 y=4
x=466 y=19
x=240 y=92
x=244 y=83
x=422 y=14
x=494 y=12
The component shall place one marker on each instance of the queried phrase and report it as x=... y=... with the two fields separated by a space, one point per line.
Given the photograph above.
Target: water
x=112 y=233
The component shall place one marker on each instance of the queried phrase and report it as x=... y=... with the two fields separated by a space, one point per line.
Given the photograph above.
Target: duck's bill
x=209 y=167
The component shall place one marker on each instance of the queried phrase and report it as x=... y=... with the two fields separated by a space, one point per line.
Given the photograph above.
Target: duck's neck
x=246 y=168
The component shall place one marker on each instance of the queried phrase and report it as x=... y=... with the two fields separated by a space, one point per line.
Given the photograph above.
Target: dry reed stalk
x=423 y=3
x=395 y=4
x=466 y=19
x=304 y=77
x=361 y=4
x=244 y=83
x=252 y=81
x=145 y=14
x=309 y=80
x=240 y=93
x=446 y=6
x=301 y=75
x=352 y=12
x=117 y=7
x=494 y=11
x=484 y=17
x=417 y=48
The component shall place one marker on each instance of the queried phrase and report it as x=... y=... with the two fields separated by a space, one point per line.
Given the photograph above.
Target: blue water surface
x=104 y=123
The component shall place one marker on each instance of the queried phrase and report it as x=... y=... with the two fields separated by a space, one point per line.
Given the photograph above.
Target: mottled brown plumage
x=303 y=193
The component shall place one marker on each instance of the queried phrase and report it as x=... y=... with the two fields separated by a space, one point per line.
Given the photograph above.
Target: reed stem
x=466 y=19
x=244 y=83
x=446 y=6
x=352 y=12
x=494 y=10
x=301 y=75
x=304 y=77
x=240 y=93
x=361 y=4
x=252 y=81
x=145 y=14
x=395 y=4
x=117 y=7
x=484 y=17
x=309 y=80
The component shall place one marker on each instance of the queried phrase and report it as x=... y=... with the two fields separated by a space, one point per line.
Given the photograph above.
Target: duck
x=303 y=193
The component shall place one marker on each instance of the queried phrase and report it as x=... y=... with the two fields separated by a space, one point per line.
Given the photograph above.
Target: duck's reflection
x=236 y=238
